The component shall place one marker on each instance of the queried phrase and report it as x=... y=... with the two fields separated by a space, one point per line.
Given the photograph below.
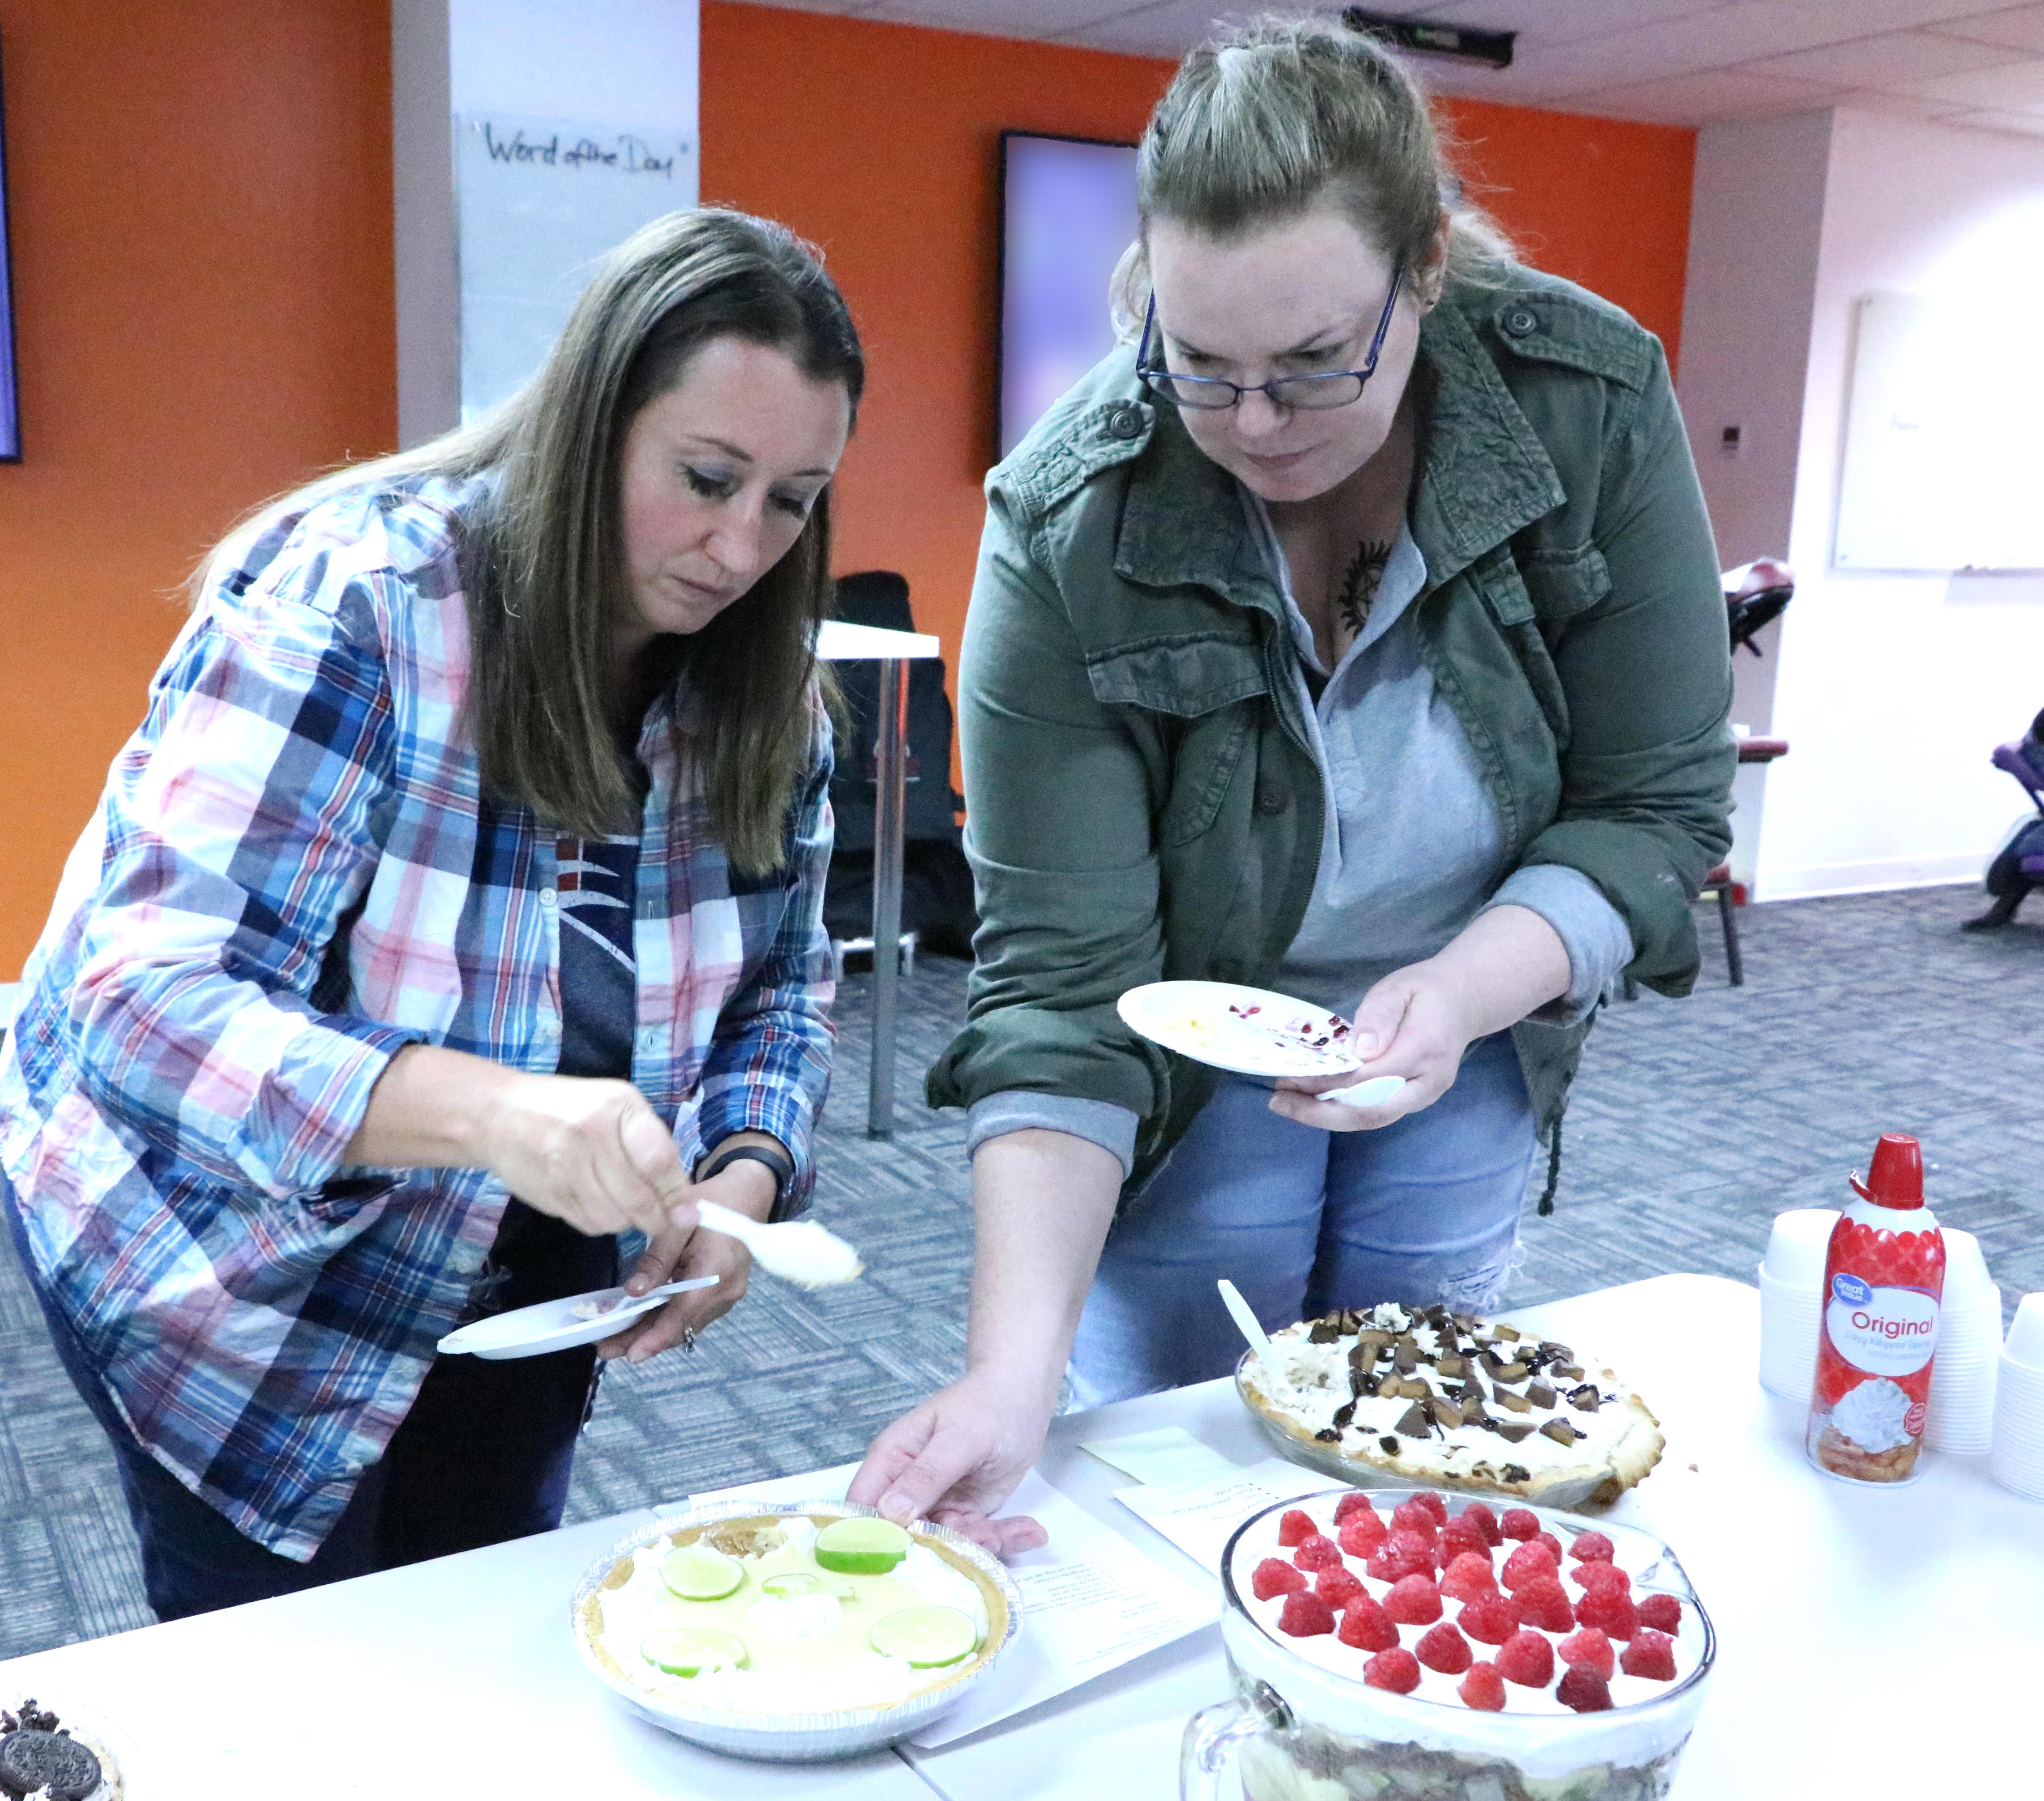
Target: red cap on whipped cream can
x=1884 y=1281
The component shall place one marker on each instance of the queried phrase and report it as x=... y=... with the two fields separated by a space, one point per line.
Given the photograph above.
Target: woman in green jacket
x=1356 y=632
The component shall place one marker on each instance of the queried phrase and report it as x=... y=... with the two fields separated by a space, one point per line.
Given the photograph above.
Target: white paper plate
x=1249 y=1031
x=552 y=1325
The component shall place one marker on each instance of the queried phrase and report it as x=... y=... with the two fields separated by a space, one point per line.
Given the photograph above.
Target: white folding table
x=838 y=641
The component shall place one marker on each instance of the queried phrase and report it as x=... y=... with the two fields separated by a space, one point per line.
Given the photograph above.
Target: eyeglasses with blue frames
x=1304 y=394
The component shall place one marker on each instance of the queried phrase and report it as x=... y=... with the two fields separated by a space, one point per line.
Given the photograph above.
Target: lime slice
x=791 y=1583
x=689 y=1650
x=860 y=1547
x=928 y=1637
x=701 y=1572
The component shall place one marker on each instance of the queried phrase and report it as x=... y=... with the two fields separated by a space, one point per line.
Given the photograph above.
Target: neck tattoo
x=1357 y=593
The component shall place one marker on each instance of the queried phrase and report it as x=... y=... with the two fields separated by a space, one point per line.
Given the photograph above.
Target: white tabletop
x=839 y=641
x=1872 y=1642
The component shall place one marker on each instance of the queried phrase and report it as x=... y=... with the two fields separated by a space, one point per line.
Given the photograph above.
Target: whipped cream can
x=1884 y=1285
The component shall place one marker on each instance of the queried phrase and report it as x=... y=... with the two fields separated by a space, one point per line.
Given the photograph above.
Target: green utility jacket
x=1143 y=803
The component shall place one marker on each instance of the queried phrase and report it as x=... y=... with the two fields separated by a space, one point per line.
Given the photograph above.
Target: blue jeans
x=485 y=1454
x=1304 y=1222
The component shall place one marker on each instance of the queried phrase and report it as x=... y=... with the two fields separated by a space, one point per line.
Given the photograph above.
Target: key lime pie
x=798 y=1613
x=1427 y=1395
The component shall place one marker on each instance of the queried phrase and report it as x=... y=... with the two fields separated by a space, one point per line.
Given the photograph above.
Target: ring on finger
x=688 y=1337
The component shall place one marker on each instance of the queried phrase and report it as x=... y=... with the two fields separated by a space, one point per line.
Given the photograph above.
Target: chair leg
x=1731 y=936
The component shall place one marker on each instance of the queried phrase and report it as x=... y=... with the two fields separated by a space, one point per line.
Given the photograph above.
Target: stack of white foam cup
x=1962 y=1379
x=2018 y=1455
x=1791 y=1299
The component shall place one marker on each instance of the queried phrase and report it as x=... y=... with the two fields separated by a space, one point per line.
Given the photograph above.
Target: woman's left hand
x=1413 y=1023
x=682 y=1251
x=1418 y=1021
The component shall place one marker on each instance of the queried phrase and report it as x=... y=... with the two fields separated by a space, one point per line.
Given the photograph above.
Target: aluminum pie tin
x=789 y=1738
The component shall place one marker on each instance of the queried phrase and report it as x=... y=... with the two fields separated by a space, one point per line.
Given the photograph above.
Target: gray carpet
x=1693 y=1123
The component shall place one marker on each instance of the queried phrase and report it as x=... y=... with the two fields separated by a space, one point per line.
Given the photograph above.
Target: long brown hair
x=543 y=554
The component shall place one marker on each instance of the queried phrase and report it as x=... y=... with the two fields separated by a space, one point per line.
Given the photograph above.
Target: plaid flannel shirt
x=291 y=874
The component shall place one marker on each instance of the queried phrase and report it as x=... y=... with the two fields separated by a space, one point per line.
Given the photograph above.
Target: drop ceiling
x=1678 y=61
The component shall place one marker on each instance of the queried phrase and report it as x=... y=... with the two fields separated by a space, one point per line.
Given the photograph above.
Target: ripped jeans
x=1304 y=1222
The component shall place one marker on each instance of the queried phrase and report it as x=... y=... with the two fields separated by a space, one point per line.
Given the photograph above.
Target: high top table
x=1871 y=1642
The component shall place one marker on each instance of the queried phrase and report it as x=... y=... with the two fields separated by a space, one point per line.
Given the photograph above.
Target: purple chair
x=2019 y=866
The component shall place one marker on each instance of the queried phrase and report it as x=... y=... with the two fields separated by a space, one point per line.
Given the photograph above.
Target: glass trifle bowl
x=1309 y=1722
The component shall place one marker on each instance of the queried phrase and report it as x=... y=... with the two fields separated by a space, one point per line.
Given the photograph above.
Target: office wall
x=880 y=142
x=1893 y=689
x=200 y=199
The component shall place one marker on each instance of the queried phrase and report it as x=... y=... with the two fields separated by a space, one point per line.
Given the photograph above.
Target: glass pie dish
x=803 y=1730
x=1304 y=1725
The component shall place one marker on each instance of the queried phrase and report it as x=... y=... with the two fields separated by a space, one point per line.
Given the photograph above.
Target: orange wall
x=880 y=142
x=201 y=213
x=199 y=199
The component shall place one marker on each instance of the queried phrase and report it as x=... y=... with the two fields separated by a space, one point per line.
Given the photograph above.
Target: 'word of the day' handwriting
x=631 y=156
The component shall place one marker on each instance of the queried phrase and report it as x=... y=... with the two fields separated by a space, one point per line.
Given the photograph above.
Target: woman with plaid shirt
x=472 y=848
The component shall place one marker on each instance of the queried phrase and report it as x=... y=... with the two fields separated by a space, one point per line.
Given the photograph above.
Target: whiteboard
x=1944 y=461
x=537 y=202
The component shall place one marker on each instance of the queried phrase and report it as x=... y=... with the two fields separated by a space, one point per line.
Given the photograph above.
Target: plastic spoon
x=1259 y=1341
x=1374 y=1092
x=798 y=1251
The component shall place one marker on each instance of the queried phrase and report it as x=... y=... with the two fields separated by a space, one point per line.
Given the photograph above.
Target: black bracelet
x=776 y=1159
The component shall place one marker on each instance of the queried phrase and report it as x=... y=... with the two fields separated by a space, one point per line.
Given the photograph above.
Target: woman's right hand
x=591 y=1152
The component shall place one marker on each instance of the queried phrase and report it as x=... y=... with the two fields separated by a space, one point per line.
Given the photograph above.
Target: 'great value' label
x=1884 y=1331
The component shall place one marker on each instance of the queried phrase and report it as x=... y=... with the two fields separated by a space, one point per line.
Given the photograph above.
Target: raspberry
x=1274 y=1576
x=1603 y=1578
x=1366 y=1626
x=1662 y=1612
x=1650 y=1654
x=1588 y=1646
x=1415 y=1516
x=1456 y=1538
x=1351 y=1502
x=1396 y=1670
x=1542 y=1603
x=1317 y=1552
x=1483 y=1689
x=1468 y=1578
x=1412 y=1546
x=1444 y=1649
x=1362 y=1534
x=1478 y=1513
x=1295 y=1529
x=1491 y=1620
x=1611 y=1613
x=1395 y=1562
x=1551 y=1542
x=1518 y=1523
x=1413 y=1601
x=1526 y=1658
x=1434 y=1505
x=1582 y=1688
x=1337 y=1586
x=1305 y=1615
x=1591 y=1547
x=1531 y=1559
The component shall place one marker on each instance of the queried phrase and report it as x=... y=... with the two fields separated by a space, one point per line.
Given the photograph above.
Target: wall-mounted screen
x=10 y=414
x=1068 y=212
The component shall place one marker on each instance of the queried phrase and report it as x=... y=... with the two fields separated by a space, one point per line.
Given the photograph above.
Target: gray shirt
x=1412 y=848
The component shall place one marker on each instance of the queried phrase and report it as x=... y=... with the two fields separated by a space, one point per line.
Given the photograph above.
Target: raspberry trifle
x=1422 y=1394
x=1427 y=1646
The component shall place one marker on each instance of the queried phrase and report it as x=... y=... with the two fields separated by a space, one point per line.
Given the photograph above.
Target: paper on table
x=813 y=1485
x=1168 y=1457
x=1200 y=1517
x=1091 y=1601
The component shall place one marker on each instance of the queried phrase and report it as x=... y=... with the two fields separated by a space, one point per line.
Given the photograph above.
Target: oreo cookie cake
x=1428 y=1396
x=51 y=1760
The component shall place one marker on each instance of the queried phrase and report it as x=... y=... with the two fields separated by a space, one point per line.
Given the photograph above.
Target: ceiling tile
x=1697 y=99
x=841 y=8
x=2018 y=88
x=1887 y=60
x=2020 y=28
x=1540 y=22
x=1169 y=29
x=1002 y=18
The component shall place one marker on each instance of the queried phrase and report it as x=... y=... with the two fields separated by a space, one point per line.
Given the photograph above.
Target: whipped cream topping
x=1317 y=1384
x=808 y=1653
x=1633 y=1553
x=1872 y=1414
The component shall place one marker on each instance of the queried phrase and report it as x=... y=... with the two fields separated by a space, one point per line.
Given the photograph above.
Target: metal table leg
x=889 y=824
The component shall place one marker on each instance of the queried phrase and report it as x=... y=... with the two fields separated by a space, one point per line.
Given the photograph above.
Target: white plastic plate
x=552 y=1326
